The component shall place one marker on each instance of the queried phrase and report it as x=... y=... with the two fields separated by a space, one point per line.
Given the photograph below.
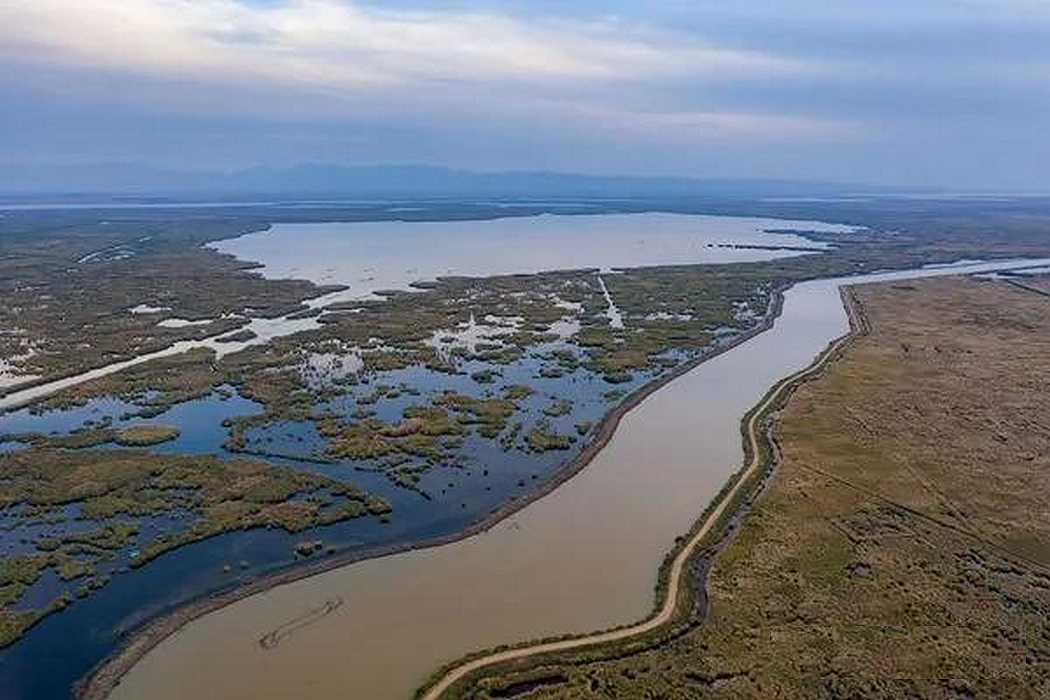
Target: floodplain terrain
x=412 y=389
x=901 y=548
x=383 y=421
x=435 y=405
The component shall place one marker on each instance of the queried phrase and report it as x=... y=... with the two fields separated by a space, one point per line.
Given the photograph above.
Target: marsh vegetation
x=88 y=514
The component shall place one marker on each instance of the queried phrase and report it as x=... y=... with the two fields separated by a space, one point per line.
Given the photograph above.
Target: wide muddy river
x=583 y=557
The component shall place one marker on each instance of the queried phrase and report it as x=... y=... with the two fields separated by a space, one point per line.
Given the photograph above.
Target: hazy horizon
x=944 y=95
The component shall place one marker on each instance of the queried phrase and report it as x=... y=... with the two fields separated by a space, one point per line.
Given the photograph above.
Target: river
x=582 y=558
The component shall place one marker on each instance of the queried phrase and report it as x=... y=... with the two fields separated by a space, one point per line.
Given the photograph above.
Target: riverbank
x=694 y=458
x=900 y=549
x=107 y=675
x=540 y=573
x=673 y=596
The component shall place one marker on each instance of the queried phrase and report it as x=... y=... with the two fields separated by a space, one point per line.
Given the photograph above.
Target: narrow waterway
x=582 y=558
x=264 y=330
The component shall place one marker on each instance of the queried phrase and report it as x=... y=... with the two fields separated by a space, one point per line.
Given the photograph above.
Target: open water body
x=393 y=254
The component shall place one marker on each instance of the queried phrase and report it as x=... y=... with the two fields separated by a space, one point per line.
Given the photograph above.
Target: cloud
x=325 y=59
x=334 y=45
x=894 y=86
x=899 y=13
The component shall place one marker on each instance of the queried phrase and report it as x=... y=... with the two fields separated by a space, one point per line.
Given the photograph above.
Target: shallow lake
x=392 y=254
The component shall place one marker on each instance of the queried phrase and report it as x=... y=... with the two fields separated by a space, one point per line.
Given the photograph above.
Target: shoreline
x=105 y=676
x=694 y=552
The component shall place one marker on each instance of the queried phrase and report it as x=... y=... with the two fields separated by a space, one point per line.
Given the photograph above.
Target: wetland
x=545 y=571
x=215 y=441
x=403 y=416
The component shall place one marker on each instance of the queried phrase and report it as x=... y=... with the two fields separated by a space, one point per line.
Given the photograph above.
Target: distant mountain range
x=337 y=182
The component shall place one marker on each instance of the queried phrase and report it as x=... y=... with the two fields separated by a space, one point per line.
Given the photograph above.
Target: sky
x=951 y=94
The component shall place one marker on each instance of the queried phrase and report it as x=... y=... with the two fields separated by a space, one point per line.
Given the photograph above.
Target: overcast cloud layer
x=942 y=93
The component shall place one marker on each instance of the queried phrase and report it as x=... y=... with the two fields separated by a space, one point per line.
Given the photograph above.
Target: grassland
x=902 y=548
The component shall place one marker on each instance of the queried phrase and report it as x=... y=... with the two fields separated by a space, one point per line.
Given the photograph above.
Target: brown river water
x=583 y=557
